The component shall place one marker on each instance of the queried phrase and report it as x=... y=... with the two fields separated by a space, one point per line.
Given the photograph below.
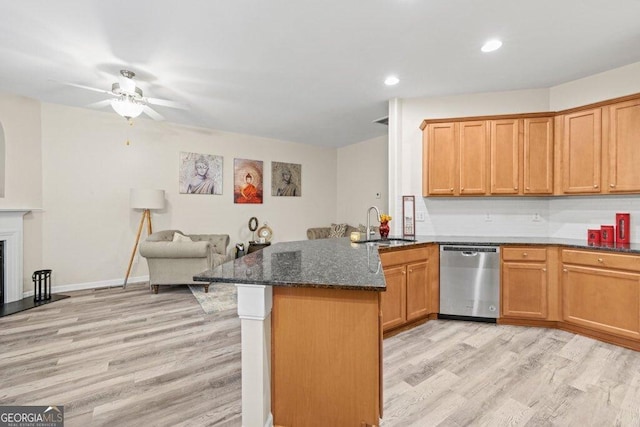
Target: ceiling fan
x=128 y=99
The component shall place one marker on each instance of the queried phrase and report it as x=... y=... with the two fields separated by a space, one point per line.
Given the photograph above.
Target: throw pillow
x=177 y=237
x=337 y=230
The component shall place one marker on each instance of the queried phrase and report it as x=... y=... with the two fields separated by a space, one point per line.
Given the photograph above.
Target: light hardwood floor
x=131 y=358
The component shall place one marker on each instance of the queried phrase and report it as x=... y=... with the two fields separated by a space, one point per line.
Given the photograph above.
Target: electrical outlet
x=487 y=218
x=419 y=216
x=536 y=217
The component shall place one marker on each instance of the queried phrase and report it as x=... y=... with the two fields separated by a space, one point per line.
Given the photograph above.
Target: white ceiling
x=307 y=71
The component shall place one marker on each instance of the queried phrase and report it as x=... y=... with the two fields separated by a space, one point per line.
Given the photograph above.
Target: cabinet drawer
x=601 y=259
x=524 y=254
x=403 y=256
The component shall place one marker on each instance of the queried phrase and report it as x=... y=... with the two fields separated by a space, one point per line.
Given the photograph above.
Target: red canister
x=593 y=237
x=623 y=228
x=606 y=235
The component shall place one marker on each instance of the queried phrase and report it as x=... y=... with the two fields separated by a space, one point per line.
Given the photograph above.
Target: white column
x=395 y=162
x=254 y=310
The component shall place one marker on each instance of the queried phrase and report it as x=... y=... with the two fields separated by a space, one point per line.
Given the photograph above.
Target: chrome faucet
x=369 y=233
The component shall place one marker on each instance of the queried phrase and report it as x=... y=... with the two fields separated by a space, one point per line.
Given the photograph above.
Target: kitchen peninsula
x=311 y=332
x=324 y=333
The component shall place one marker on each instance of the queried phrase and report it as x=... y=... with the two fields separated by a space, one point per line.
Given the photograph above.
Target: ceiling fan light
x=127 y=108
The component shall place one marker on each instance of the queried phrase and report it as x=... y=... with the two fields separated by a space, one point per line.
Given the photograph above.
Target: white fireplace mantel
x=11 y=231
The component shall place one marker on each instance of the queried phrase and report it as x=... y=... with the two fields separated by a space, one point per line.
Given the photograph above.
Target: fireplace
x=1 y=272
x=11 y=235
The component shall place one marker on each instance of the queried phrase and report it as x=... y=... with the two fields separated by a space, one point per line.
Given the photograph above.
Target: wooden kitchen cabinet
x=473 y=155
x=456 y=158
x=601 y=292
x=505 y=156
x=622 y=142
x=412 y=277
x=499 y=156
x=524 y=283
x=581 y=152
x=440 y=159
x=537 y=170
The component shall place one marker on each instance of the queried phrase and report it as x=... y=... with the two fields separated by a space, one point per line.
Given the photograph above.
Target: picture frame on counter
x=408 y=215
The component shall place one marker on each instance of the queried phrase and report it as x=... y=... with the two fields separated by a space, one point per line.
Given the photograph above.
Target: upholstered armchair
x=174 y=257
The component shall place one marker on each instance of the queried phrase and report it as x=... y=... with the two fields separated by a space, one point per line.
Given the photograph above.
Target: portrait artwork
x=200 y=173
x=286 y=179
x=247 y=181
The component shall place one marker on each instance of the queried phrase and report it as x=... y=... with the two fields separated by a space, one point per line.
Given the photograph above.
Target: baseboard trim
x=91 y=285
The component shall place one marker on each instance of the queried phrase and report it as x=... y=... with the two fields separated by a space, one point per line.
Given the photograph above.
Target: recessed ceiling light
x=391 y=80
x=491 y=45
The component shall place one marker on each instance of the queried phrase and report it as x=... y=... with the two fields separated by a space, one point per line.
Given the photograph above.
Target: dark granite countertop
x=324 y=263
x=338 y=263
x=523 y=240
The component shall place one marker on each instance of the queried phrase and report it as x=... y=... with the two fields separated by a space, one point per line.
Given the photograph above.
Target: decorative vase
x=384 y=229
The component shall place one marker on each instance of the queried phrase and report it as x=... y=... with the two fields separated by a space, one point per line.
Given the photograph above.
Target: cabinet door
x=524 y=290
x=473 y=152
x=581 y=151
x=538 y=155
x=505 y=155
x=394 y=310
x=417 y=290
x=623 y=143
x=442 y=161
x=602 y=299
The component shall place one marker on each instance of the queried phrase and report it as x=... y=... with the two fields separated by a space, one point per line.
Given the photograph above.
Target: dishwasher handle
x=469 y=253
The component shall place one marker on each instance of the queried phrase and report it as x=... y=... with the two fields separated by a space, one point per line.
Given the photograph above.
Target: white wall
x=559 y=216
x=88 y=169
x=362 y=174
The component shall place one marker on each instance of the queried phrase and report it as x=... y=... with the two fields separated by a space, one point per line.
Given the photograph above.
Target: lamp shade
x=142 y=198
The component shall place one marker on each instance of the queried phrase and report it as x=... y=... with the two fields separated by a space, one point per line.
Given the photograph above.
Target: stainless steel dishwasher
x=470 y=282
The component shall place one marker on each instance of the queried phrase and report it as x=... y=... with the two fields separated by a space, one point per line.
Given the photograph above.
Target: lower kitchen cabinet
x=601 y=292
x=524 y=284
x=529 y=288
x=412 y=279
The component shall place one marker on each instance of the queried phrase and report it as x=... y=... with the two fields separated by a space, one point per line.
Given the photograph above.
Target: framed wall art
x=247 y=181
x=408 y=215
x=286 y=179
x=200 y=173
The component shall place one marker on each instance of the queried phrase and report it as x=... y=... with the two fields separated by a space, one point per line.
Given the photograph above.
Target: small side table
x=256 y=246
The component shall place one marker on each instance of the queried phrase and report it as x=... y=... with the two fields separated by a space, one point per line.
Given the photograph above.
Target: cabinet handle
x=410 y=271
x=404 y=272
x=612 y=185
x=525 y=254
x=461 y=188
x=515 y=188
x=600 y=260
x=595 y=185
x=451 y=189
x=528 y=188
x=564 y=270
x=544 y=269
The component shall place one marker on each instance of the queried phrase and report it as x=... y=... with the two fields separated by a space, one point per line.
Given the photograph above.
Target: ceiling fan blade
x=108 y=92
x=167 y=103
x=100 y=104
x=152 y=113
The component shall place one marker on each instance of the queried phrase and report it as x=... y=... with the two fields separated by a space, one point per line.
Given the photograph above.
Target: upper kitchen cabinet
x=455 y=158
x=440 y=159
x=473 y=152
x=537 y=168
x=622 y=142
x=581 y=152
x=505 y=156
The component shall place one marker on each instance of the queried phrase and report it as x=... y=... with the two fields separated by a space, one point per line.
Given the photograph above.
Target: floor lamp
x=146 y=200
